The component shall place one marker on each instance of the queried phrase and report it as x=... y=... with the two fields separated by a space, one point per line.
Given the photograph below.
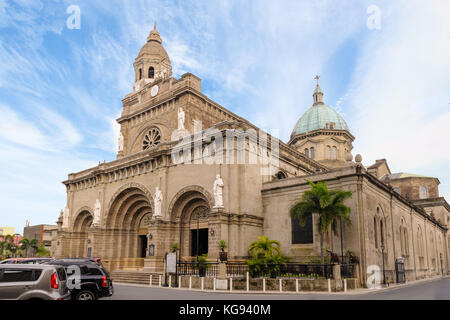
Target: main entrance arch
x=127 y=222
x=189 y=210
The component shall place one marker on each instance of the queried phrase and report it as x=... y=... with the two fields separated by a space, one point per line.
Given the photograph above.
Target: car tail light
x=104 y=282
x=54 y=284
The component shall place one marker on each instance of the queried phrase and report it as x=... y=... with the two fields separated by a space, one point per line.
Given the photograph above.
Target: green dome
x=317 y=117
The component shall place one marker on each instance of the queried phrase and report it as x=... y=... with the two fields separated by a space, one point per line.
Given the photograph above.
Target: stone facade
x=175 y=139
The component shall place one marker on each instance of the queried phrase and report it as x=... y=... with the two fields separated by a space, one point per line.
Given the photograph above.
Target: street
x=437 y=289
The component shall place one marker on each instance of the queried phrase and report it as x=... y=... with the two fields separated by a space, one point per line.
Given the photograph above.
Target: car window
x=61 y=274
x=94 y=272
x=11 y=275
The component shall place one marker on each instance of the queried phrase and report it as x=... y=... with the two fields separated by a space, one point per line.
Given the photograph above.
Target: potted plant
x=334 y=257
x=223 y=256
x=202 y=265
x=174 y=247
x=351 y=257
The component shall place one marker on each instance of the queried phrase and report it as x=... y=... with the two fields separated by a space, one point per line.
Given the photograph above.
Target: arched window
x=302 y=234
x=423 y=192
x=432 y=252
x=328 y=152
x=375 y=231
x=334 y=153
x=381 y=233
x=403 y=238
x=313 y=152
x=420 y=247
x=151 y=72
x=307 y=152
x=140 y=73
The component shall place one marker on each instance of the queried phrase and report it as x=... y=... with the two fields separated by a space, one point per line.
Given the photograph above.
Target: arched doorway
x=81 y=246
x=127 y=223
x=190 y=210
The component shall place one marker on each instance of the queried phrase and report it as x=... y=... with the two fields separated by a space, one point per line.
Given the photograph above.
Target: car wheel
x=85 y=295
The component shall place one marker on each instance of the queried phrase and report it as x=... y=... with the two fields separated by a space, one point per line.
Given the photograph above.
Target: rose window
x=151 y=139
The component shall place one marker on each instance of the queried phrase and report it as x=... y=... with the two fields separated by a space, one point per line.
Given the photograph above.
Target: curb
x=350 y=292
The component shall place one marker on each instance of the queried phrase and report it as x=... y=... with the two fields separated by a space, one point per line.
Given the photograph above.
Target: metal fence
x=208 y=269
x=298 y=270
x=287 y=270
x=236 y=269
x=347 y=270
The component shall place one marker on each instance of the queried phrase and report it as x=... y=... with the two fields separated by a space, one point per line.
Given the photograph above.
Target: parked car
x=94 y=283
x=24 y=260
x=33 y=281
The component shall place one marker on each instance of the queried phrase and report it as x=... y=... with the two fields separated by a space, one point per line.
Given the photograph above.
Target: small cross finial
x=317 y=78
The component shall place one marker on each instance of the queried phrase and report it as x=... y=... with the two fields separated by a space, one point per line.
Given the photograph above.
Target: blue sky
x=61 y=89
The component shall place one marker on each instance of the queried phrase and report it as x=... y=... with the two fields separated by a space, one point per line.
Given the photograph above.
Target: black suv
x=95 y=282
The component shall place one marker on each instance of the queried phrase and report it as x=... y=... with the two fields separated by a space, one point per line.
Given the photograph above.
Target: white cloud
x=400 y=88
x=20 y=131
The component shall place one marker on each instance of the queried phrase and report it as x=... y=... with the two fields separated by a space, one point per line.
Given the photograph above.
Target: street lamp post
x=342 y=242
x=384 y=271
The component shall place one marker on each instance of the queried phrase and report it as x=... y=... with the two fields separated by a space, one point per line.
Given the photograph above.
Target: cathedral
x=190 y=171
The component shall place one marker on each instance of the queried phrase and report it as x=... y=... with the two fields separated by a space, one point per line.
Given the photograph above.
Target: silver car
x=33 y=281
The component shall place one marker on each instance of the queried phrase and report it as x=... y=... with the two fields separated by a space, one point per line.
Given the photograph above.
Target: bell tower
x=152 y=61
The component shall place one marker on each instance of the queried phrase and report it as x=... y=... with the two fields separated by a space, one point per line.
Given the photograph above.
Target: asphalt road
x=438 y=289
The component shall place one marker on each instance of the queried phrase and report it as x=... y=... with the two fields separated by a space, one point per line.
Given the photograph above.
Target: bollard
x=151 y=280
x=159 y=280
x=247 y=283
x=296 y=285
x=179 y=282
x=203 y=283
x=170 y=281
x=281 y=286
x=264 y=284
x=214 y=284
x=231 y=284
x=329 y=285
x=345 y=285
x=190 y=283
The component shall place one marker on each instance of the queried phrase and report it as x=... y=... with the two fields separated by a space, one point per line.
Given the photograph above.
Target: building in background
x=41 y=232
x=4 y=231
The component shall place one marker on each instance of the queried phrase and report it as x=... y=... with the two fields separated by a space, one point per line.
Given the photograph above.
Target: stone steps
x=135 y=277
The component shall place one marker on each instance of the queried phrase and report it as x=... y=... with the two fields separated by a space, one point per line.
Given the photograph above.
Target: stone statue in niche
x=121 y=142
x=180 y=119
x=158 y=202
x=97 y=213
x=218 y=192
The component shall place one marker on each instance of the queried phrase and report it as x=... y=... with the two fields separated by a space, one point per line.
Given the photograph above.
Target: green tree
x=25 y=245
x=266 y=257
x=42 y=251
x=2 y=248
x=264 y=248
x=34 y=244
x=328 y=205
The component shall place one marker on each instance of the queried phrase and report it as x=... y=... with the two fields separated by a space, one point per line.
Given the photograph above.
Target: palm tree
x=264 y=248
x=329 y=205
x=34 y=244
x=25 y=245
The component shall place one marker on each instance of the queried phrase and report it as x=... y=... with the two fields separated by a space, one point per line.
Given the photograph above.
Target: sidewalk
x=349 y=292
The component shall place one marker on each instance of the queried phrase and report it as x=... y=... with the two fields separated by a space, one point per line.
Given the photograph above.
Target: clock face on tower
x=154 y=90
